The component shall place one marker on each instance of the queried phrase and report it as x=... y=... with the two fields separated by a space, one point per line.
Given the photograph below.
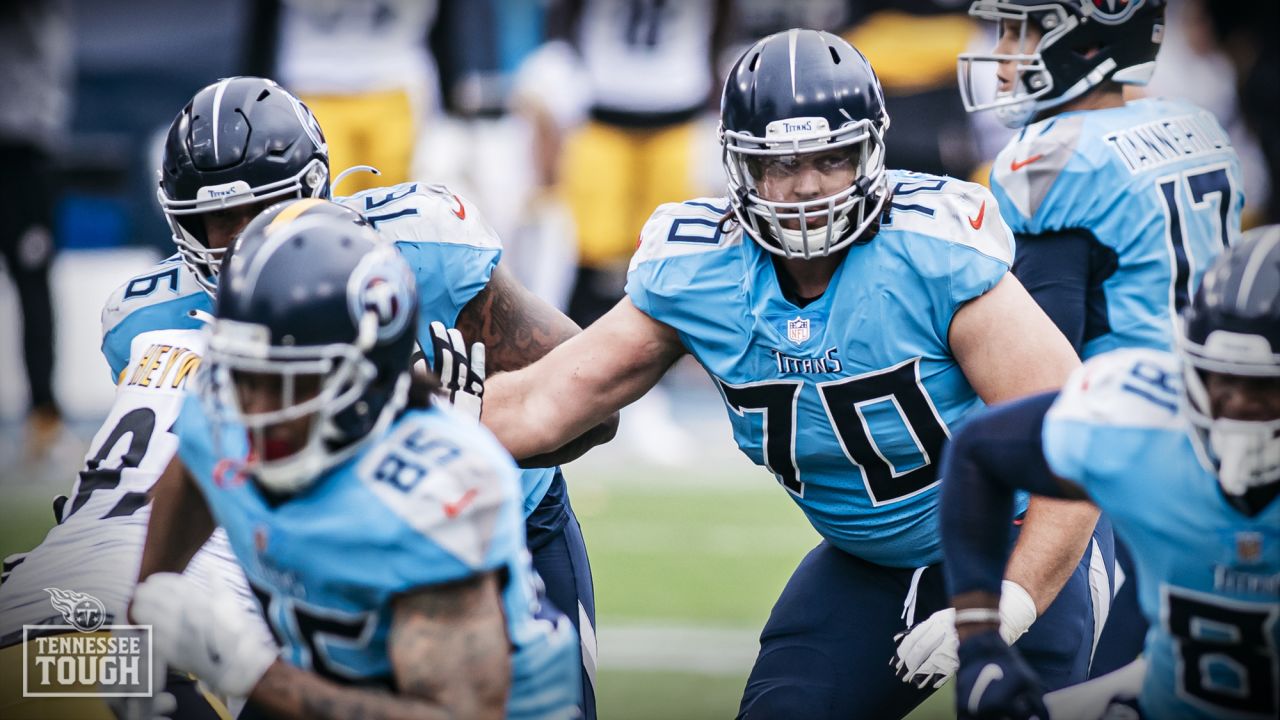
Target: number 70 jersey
x=848 y=399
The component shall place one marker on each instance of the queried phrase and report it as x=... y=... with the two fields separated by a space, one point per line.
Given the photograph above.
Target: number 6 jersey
x=847 y=399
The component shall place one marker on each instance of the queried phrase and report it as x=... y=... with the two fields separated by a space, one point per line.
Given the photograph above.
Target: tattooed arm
x=517 y=328
x=449 y=651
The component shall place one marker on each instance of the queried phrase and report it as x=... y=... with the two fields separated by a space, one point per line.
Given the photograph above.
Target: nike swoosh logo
x=1017 y=165
x=461 y=212
x=451 y=509
x=976 y=222
x=990 y=673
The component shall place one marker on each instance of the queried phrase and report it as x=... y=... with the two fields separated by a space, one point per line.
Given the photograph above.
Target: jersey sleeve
x=1106 y=412
x=160 y=299
x=1046 y=179
x=954 y=241
x=673 y=243
x=448 y=244
x=455 y=491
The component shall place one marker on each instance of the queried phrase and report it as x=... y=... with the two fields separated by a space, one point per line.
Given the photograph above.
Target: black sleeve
x=1055 y=269
x=994 y=455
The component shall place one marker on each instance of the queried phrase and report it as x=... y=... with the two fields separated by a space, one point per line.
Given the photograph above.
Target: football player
x=385 y=542
x=1182 y=452
x=1117 y=207
x=96 y=545
x=243 y=143
x=852 y=317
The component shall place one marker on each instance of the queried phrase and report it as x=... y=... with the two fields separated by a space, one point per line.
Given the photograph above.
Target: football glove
x=160 y=706
x=995 y=683
x=204 y=632
x=461 y=372
x=927 y=651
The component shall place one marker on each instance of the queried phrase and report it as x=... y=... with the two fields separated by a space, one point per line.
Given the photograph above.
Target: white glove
x=204 y=632
x=160 y=706
x=461 y=372
x=927 y=654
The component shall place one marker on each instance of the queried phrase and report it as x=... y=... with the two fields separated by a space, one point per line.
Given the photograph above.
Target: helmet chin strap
x=353 y=169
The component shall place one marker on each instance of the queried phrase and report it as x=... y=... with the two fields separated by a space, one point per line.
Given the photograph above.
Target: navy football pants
x=560 y=557
x=825 y=651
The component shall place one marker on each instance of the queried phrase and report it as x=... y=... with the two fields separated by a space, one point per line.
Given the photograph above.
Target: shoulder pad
x=164 y=359
x=434 y=475
x=1026 y=169
x=419 y=212
x=685 y=228
x=952 y=210
x=167 y=280
x=1132 y=388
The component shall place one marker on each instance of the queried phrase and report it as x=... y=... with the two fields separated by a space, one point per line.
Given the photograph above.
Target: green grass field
x=690 y=554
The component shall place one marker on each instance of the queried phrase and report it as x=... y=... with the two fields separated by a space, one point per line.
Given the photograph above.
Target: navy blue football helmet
x=796 y=93
x=1083 y=43
x=312 y=298
x=239 y=141
x=1232 y=327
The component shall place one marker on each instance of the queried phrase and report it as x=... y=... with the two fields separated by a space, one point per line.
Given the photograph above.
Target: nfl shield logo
x=798 y=330
x=1249 y=547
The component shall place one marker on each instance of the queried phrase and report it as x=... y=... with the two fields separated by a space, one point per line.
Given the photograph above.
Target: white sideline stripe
x=678 y=648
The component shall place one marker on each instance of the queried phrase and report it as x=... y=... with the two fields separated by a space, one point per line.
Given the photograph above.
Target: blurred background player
x=1182 y=452
x=365 y=69
x=383 y=537
x=783 y=292
x=245 y=142
x=36 y=68
x=1117 y=207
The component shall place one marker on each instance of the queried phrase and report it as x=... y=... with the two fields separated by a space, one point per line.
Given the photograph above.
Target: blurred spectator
x=1193 y=65
x=912 y=45
x=365 y=69
x=1247 y=34
x=36 y=69
x=650 y=66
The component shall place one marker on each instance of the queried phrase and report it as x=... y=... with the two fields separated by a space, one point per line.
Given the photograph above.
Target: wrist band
x=978 y=615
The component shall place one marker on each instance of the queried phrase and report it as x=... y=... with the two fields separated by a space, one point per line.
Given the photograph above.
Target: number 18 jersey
x=847 y=399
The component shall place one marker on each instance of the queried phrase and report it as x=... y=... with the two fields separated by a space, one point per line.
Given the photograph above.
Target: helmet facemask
x=1032 y=80
x=1245 y=453
x=826 y=224
x=187 y=227
x=323 y=385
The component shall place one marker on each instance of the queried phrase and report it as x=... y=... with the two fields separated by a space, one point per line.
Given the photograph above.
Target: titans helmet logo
x=381 y=286
x=1112 y=12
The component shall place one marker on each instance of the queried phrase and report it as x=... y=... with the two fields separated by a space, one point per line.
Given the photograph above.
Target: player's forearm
x=577 y=447
x=290 y=693
x=179 y=525
x=1055 y=534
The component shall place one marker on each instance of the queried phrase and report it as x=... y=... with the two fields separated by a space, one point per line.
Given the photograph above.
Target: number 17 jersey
x=848 y=399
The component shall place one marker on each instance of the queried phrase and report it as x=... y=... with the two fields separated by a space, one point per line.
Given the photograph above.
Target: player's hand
x=461 y=370
x=206 y=633
x=927 y=651
x=995 y=683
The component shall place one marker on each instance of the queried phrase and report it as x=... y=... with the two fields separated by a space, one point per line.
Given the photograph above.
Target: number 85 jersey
x=847 y=399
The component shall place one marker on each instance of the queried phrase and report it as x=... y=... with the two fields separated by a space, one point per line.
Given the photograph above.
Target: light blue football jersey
x=1157 y=184
x=448 y=245
x=849 y=399
x=162 y=298
x=432 y=500
x=452 y=251
x=1208 y=575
